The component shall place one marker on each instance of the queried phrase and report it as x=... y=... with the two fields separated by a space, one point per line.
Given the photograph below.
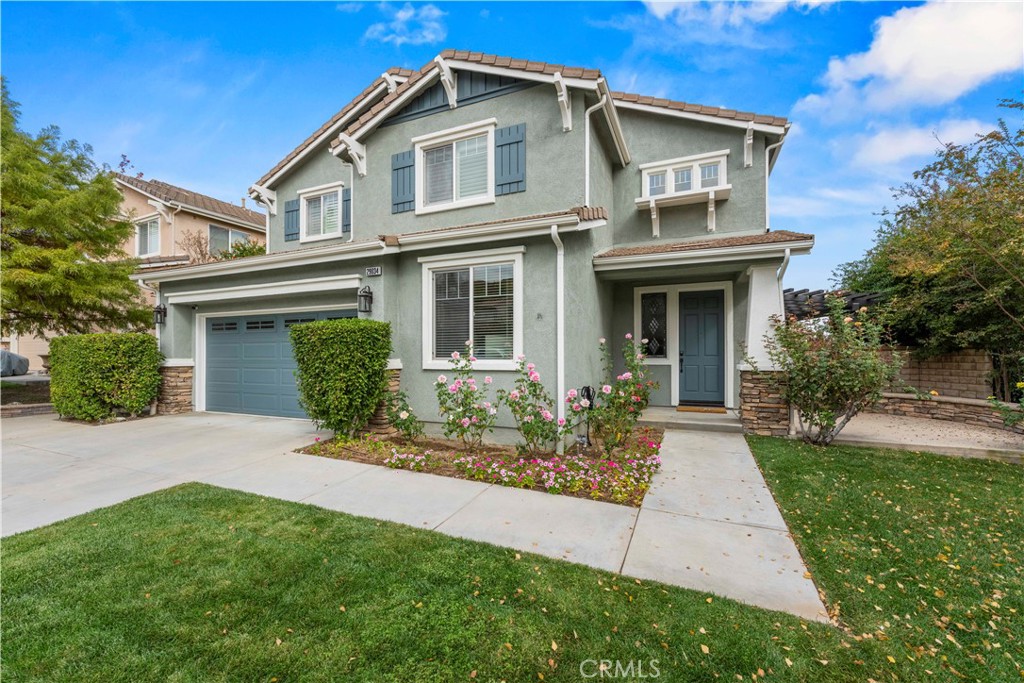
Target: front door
x=702 y=348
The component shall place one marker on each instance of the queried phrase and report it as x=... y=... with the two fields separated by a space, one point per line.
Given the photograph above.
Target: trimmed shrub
x=342 y=370
x=98 y=376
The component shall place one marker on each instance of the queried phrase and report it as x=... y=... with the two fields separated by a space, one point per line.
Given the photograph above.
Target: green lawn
x=923 y=552
x=202 y=584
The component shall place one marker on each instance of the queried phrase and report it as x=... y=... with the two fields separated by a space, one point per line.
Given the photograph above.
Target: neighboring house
x=163 y=215
x=521 y=205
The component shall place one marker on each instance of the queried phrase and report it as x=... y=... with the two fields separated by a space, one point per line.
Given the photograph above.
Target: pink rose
x=629 y=335
x=530 y=366
x=441 y=379
x=601 y=340
x=576 y=407
x=572 y=393
x=465 y=422
x=585 y=403
x=487 y=379
x=453 y=388
x=514 y=395
x=455 y=355
x=472 y=359
x=606 y=389
x=561 y=422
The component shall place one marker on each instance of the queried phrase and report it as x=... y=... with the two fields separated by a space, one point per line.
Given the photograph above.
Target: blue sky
x=211 y=95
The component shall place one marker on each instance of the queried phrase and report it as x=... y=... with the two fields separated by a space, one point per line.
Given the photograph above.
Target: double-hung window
x=147 y=238
x=476 y=299
x=222 y=239
x=455 y=168
x=320 y=212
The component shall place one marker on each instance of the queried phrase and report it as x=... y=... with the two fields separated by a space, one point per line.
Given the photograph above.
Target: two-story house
x=164 y=216
x=523 y=206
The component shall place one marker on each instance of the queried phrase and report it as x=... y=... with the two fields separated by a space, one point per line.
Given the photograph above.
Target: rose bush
x=619 y=402
x=463 y=404
x=401 y=417
x=531 y=406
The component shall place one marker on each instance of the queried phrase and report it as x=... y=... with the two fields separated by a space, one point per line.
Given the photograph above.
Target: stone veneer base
x=175 y=390
x=762 y=409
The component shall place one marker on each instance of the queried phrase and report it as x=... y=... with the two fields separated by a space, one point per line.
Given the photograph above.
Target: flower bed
x=621 y=477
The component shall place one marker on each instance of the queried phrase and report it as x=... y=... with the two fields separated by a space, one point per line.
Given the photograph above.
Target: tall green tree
x=950 y=256
x=62 y=268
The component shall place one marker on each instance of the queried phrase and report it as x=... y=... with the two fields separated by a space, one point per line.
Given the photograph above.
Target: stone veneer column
x=762 y=409
x=175 y=390
x=379 y=423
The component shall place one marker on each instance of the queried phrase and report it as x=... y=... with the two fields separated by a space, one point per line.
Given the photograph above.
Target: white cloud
x=349 y=7
x=929 y=54
x=892 y=145
x=412 y=25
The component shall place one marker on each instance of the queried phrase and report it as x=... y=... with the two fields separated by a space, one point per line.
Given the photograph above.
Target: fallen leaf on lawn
x=807 y=575
x=342 y=608
x=704 y=649
x=518 y=556
x=419 y=604
x=277 y=641
x=554 y=645
x=472 y=674
x=708 y=601
x=789 y=662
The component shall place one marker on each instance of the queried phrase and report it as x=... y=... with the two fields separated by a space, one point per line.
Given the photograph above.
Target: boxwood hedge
x=342 y=370
x=97 y=376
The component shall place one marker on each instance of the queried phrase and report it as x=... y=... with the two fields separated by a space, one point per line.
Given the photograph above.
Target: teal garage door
x=249 y=363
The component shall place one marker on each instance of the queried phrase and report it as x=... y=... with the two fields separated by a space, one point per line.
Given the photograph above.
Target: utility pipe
x=586 y=148
x=559 y=323
x=767 y=170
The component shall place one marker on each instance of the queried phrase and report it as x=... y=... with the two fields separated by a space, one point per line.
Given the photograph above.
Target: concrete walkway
x=709 y=523
x=934 y=436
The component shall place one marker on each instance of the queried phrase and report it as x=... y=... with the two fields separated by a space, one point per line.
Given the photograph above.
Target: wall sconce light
x=160 y=315
x=364 y=300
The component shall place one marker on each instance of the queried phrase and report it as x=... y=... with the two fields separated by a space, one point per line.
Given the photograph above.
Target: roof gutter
x=612 y=117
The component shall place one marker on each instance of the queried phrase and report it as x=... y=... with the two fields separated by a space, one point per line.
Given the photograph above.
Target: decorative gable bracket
x=163 y=209
x=267 y=198
x=655 y=221
x=356 y=152
x=448 y=81
x=564 y=101
x=748 y=146
x=389 y=79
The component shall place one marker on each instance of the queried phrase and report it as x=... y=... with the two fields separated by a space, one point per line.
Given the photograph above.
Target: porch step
x=670 y=418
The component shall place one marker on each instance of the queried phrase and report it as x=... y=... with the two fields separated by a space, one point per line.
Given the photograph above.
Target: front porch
x=670 y=418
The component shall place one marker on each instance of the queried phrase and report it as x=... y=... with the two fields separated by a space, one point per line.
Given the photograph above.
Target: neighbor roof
x=776 y=237
x=172 y=194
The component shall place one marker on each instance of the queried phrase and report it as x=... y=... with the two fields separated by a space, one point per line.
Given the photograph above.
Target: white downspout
x=559 y=323
x=351 y=202
x=586 y=148
x=767 y=170
x=781 y=274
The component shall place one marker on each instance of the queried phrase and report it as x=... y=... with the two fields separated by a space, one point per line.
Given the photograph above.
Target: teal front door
x=702 y=348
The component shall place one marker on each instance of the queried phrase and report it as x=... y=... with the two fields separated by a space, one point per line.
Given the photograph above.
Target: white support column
x=764 y=300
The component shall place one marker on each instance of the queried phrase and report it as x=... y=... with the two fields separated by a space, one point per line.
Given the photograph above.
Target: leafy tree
x=61 y=235
x=243 y=250
x=950 y=257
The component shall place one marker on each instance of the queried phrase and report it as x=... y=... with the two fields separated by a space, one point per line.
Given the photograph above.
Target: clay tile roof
x=775 y=237
x=700 y=109
x=356 y=101
x=179 y=195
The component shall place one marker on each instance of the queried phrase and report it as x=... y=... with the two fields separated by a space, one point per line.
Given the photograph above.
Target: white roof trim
x=314 y=285
x=708 y=255
x=540 y=77
x=732 y=123
x=611 y=115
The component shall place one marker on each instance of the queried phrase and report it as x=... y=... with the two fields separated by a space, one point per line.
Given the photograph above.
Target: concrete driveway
x=708 y=523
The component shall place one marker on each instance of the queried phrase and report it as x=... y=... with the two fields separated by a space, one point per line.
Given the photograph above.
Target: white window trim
x=672 y=337
x=423 y=143
x=320 y=190
x=513 y=255
x=694 y=163
x=209 y=236
x=138 y=225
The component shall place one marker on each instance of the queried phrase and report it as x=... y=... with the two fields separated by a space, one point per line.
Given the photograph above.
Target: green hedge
x=97 y=376
x=342 y=370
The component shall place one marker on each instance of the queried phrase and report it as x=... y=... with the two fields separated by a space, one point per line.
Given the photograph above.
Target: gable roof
x=190 y=200
x=481 y=61
x=338 y=119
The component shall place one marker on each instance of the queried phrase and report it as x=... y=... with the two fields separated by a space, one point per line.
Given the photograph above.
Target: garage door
x=249 y=363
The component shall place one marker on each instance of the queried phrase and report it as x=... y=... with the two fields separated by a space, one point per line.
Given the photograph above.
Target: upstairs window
x=693 y=175
x=320 y=215
x=147 y=238
x=222 y=239
x=455 y=168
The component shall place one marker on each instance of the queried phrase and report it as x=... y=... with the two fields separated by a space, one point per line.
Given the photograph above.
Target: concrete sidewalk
x=708 y=523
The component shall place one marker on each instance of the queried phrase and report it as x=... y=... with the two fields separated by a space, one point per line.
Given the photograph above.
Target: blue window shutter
x=510 y=159
x=403 y=181
x=346 y=211
x=291 y=220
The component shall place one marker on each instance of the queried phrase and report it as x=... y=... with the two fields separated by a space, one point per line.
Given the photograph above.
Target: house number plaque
x=374 y=271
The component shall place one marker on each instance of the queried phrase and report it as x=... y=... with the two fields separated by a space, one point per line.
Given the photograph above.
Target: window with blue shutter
x=291 y=220
x=510 y=159
x=403 y=181
x=346 y=211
